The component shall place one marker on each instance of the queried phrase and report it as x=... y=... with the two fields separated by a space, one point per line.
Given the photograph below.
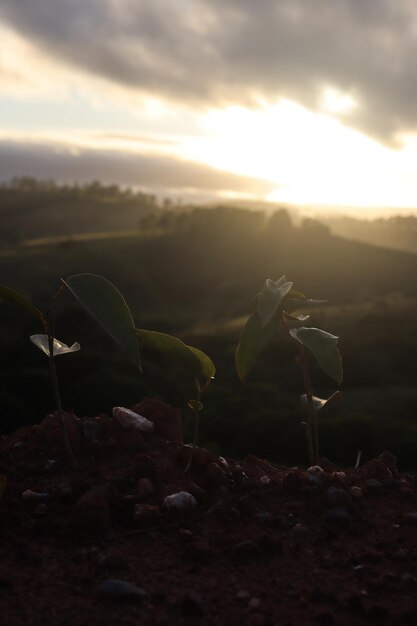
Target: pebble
x=316 y=470
x=338 y=497
x=121 y=590
x=92 y=430
x=391 y=483
x=265 y=480
x=181 y=501
x=147 y=515
x=34 y=496
x=356 y=492
x=372 y=485
x=293 y=481
x=337 y=515
x=132 y=420
x=254 y=604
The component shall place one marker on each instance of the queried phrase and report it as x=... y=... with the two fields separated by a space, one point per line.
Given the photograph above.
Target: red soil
x=262 y=546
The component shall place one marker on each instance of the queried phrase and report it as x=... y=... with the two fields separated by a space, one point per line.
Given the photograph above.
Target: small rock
x=337 y=515
x=391 y=483
x=144 y=488
x=299 y=533
x=316 y=470
x=34 y=496
x=181 y=501
x=339 y=477
x=264 y=480
x=243 y=596
x=92 y=429
x=132 y=420
x=372 y=485
x=254 y=604
x=147 y=515
x=412 y=517
x=50 y=465
x=338 y=497
x=121 y=590
x=356 y=492
x=292 y=481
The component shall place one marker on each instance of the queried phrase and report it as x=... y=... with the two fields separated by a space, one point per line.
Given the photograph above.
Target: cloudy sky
x=311 y=102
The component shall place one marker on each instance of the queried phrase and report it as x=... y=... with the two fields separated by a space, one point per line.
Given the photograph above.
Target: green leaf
x=107 y=305
x=208 y=369
x=42 y=342
x=195 y=405
x=270 y=298
x=13 y=296
x=253 y=341
x=171 y=349
x=324 y=347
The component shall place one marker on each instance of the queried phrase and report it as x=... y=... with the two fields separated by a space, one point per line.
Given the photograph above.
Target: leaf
x=253 y=341
x=271 y=297
x=195 y=405
x=208 y=369
x=107 y=305
x=296 y=318
x=13 y=296
x=324 y=347
x=58 y=348
x=172 y=349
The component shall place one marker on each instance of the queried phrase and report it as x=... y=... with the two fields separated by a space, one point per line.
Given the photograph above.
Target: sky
x=296 y=102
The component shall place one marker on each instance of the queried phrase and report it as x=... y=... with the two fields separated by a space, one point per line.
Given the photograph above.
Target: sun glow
x=313 y=158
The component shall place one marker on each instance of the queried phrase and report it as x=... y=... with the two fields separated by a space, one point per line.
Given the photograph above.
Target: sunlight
x=313 y=158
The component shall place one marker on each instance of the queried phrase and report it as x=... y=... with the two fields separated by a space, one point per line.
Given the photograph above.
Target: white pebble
x=130 y=419
x=181 y=501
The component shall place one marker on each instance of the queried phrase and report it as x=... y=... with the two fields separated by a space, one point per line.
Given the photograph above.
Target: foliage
x=262 y=326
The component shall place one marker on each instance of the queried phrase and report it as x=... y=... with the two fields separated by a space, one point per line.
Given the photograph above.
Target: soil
x=254 y=544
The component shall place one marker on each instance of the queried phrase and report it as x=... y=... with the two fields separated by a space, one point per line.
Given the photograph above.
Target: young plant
x=108 y=307
x=49 y=345
x=268 y=318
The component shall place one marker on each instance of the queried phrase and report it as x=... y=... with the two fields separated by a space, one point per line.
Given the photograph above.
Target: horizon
x=173 y=100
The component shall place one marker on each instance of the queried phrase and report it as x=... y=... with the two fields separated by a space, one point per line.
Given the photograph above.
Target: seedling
x=49 y=345
x=108 y=307
x=262 y=326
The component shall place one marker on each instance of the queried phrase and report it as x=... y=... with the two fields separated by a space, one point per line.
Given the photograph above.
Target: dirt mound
x=129 y=537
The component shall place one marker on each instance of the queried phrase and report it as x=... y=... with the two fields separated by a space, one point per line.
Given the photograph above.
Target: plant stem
x=312 y=432
x=49 y=328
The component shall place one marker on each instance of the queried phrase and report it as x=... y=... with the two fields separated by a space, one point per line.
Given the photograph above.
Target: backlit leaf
x=176 y=352
x=253 y=341
x=42 y=342
x=270 y=298
x=324 y=347
x=13 y=296
x=107 y=305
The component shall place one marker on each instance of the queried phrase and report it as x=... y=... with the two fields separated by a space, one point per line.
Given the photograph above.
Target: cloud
x=212 y=52
x=155 y=172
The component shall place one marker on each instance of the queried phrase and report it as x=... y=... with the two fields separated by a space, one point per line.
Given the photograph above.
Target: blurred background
x=187 y=151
